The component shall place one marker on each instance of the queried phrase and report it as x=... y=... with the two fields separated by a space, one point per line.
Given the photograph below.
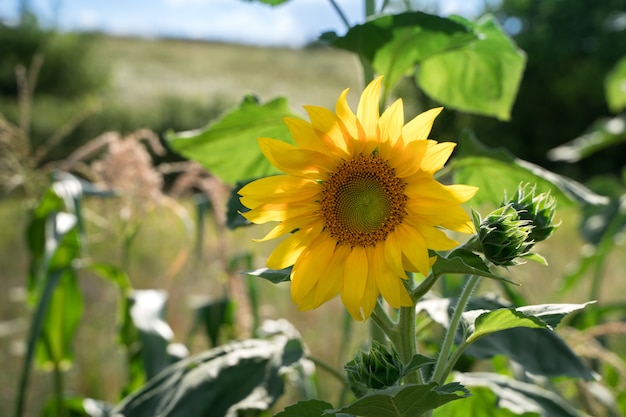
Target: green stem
x=407 y=346
x=328 y=368
x=424 y=287
x=340 y=12
x=57 y=375
x=440 y=373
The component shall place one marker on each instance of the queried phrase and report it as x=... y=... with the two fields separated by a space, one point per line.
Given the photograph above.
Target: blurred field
x=143 y=72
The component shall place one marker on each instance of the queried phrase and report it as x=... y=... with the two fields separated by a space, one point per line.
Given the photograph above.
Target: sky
x=292 y=24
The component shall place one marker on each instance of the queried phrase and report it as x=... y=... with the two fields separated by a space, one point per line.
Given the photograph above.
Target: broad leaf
x=496 y=172
x=234 y=208
x=482 y=77
x=494 y=321
x=228 y=148
x=404 y=401
x=551 y=314
x=462 y=261
x=602 y=134
x=214 y=316
x=518 y=397
x=417 y=362
x=225 y=381
x=615 y=86
x=539 y=351
x=395 y=44
x=482 y=403
x=273 y=275
x=309 y=408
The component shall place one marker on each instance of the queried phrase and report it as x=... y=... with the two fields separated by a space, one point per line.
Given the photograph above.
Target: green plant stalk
x=407 y=343
x=329 y=368
x=439 y=374
x=57 y=374
x=35 y=333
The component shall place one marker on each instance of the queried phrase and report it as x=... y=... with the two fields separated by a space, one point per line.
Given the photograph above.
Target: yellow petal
x=304 y=135
x=355 y=281
x=393 y=255
x=293 y=160
x=289 y=225
x=437 y=155
x=346 y=116
x=429 y=191
x=388 y=282
x=450 y=217
x=278 y=212
x=371 y=293
x=435 y=238
x=414 y=249
x=306 y=271
x=368 y=110
x=288 y=251
x=419 y=128
x=391 y=122
x=407 y=160
x=327 y=126
x=280 y=189
x=331 y=281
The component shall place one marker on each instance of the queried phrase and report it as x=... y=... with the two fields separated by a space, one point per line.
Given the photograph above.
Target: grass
x=144 y=73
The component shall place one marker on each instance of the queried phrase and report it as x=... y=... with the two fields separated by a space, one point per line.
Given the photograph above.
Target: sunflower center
x=362 y=201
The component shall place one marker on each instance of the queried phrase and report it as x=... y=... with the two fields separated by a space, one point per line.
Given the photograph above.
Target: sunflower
x=358 y=202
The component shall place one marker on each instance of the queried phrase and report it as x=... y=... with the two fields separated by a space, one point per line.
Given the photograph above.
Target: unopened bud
x=377 y=369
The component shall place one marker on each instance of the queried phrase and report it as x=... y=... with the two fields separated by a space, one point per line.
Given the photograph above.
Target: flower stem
x=406 y=344
x=340 y=12
x=442 y=368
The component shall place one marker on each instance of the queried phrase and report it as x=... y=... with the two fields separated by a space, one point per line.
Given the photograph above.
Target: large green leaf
x=228 y=148
x=496 y=171
x=615 y=86
x=602 y=134
x=404 y=401
x=482 y=77
x=519 y=397
x=502 y=319
x=309 y=408
x=214 y=316
x=480 y=404
x=275 y=276
x=538 y=350
x=395 y=44
x=224 y=381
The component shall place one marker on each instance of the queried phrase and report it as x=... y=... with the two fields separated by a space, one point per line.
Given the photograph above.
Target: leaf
x=495 y=172
x=395 y=44
x=615 y=86
x=224 y=381
x=603 y=133
x=498 y=320
x=552 y=314
x=309 y=408
x=214 y=316
x=417 y=362
x=482 y=403
x=463 y=261
x=482 y=77
x=538 y=351
x=273 y=275
x=519 y=397
x=146 y=309
x=404 y=401
x=234 y=208
x=228 y=148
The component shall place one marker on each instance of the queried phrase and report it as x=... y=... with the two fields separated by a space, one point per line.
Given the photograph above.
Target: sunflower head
x=357 y=202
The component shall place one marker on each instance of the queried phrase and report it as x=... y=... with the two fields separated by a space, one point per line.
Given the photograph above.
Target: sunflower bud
x=503 y=236
x=377 y=369
x=538 y=209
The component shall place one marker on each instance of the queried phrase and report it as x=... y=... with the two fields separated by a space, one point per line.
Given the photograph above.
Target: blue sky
x=292 y=24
